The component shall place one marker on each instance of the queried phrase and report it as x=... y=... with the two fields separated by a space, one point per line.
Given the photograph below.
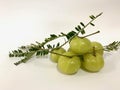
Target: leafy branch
x=72 y=34
x=43 y=48
x=39 y=49
x=112 y=46
x=82 y=30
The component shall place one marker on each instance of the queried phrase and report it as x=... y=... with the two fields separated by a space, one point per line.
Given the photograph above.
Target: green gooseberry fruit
x=93 y=63
x=80 y=45
x=69 y=65
x=55 y=57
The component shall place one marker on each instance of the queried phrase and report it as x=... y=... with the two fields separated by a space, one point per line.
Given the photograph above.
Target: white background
x=25 y=21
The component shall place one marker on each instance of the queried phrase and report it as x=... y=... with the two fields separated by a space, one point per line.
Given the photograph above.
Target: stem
x=90 y=34
x=84 y=28
x=94 y=53
x=60 y=54
x=64 y=55
x=91 y=21
x=80 y=37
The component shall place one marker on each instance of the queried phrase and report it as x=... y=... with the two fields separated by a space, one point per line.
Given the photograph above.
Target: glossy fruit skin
x=80 y=45
x=98 y=47
x=55 y=57
x=93 y=63
x=68 y=65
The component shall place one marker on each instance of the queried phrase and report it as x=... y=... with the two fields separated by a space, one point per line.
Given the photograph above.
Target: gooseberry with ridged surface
x=69 y=65
x=80 y=45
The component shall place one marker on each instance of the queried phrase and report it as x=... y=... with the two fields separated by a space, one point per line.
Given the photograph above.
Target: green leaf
x=32 y=48
x=38 y=53
x=82 y=31
x=23 y=47
x=77 y=29
x=47 y=39
x=53 y=35
x=20 y=51
x=92 y=24
x=82 y=24
x=15 y=51
x=71 y=34
x=92 y=17
x=53 y=46
x=49 y=46
x=58 y=44
x=11 y=55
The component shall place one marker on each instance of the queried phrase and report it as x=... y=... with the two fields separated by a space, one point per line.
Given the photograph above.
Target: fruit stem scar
x=94 y=53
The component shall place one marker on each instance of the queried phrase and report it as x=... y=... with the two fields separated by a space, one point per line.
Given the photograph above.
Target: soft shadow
x=111 y=61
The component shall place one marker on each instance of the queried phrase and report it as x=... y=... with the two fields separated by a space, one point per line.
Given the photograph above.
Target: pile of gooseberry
x=82 y=54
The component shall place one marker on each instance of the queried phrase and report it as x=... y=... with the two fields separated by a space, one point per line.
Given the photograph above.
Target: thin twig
x=90 y=34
